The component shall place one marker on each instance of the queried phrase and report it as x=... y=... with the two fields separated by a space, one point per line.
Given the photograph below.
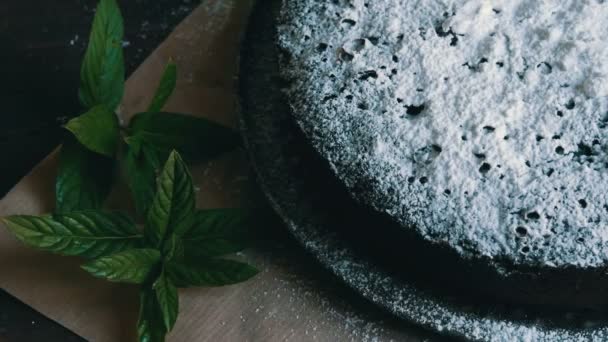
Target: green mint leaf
x=209 y=272
x=141 y=169
x=102 y=75
x=97 y=130
x=173 y=248
x=165 y=88
x=84 y=178
x=168 y=300
x=196 y=138
x=216 y=232
x=131 y=266
x=89 y=234
x=173 y=204
x=150 y=326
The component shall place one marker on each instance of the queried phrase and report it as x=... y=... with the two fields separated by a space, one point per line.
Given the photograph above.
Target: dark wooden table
x=42 y=46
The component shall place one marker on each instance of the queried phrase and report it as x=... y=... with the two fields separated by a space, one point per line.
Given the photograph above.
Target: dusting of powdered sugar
x=283 y=172
x=481 y=123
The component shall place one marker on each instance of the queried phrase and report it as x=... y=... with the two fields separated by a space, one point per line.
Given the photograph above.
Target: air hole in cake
x=437 y=148
x=394 y=71
x=485 y=168
x=545 y=68
x=395 y=59
x=348 y=23
x=570 y=104
x=479 y=155
x=423 y=180
x=366 y=75
x=560 y=113
x=559 y=150
x=447 y=191
x=422 y=32
x=427 y=154
x=500 y=64
x=550 y=172
x=415 y=110
x=354 y=46
x=363 y=106
x=349 y=98
x=583 y=203
x=329 y=97
x=525 y=249
x=584 y=150
x=489 y=129
x=521 y=231
x=322 y=47
x=533 y=215
x=374 y=40
x=345 y=56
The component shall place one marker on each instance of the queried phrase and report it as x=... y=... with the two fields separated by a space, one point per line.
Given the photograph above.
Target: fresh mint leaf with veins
x=97 y=130
x=209 y=272
x=174 y=203
x=197 y=139
x=165 y=88
x=142 y=165
x=88 y=234
x=84 y=178
x=168 y=300
x=216 y=232
x=102 y=75
x=150 y=326
x=133 y=266
x=162 y=258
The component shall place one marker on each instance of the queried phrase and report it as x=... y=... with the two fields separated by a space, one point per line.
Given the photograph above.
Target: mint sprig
x=178 y=246
x=165 y=88
x=89 y=234
x=140 y=148
x=84 y=178
x=102 y=75
x=97 y=130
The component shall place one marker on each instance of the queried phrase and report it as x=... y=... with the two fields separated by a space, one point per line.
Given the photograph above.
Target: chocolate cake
x=479 y=126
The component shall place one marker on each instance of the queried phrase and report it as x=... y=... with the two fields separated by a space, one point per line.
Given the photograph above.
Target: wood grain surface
x=293 y=298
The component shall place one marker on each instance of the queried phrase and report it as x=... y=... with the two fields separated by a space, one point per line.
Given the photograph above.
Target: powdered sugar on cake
x=482 y=124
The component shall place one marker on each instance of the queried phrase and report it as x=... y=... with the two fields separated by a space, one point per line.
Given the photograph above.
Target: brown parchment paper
x=292 y=298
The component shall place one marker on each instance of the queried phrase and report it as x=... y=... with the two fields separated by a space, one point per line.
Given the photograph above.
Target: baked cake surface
x=480 y=123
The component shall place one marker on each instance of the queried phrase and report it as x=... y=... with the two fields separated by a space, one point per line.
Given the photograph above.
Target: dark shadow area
x=20 y=323
x=42 y=46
